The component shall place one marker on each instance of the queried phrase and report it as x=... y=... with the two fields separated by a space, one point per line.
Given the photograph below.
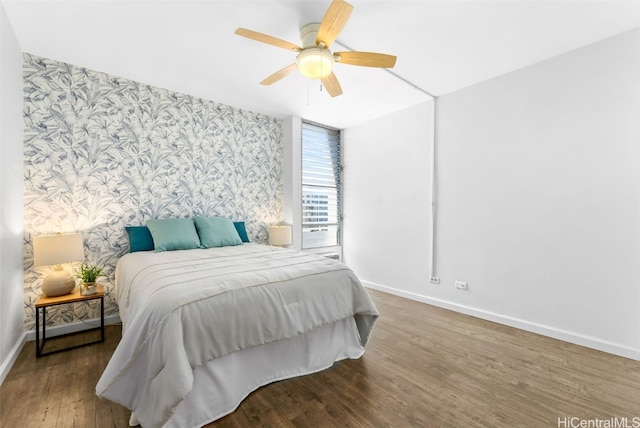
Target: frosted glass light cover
x=315 y=63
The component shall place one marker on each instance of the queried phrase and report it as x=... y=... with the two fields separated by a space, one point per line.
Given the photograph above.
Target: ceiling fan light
x=315 y=63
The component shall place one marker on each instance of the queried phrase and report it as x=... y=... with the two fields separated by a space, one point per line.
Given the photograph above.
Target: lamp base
x=58 y=283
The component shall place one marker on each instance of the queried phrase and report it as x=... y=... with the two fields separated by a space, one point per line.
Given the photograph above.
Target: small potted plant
x=88 y=274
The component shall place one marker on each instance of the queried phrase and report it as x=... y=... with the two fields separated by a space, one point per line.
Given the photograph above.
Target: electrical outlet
x=434 y=280
x=461 y=285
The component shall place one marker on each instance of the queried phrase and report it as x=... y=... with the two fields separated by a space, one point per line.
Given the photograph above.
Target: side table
x=44 y=302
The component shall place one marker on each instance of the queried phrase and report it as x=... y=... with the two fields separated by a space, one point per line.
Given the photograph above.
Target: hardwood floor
x=424 y=367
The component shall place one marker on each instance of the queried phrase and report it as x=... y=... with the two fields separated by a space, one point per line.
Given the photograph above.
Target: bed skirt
x=222 y=384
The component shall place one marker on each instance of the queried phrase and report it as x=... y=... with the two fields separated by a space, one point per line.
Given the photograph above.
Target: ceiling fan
x=314 y=59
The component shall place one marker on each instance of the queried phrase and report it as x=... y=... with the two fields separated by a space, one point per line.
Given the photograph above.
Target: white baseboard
x=52 y=331
x=544 y=330
x=11 y=358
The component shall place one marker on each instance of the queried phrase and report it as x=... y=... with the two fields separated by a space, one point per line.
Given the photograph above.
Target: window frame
x=338 y=171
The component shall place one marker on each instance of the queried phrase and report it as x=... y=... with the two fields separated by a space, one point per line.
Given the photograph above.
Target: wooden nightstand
x=44 y=302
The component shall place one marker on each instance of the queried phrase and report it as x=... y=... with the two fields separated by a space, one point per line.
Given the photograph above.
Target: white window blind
x=321 y=198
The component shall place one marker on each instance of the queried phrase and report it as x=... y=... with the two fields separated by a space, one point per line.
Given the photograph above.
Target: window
x=321 y=192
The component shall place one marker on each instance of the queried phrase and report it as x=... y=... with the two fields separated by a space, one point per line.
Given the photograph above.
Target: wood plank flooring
x=424 y=367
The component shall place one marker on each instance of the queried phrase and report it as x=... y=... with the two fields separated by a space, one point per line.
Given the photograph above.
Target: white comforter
x=181 y=309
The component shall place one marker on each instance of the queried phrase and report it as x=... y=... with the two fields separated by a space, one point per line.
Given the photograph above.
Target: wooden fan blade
x=280 y=74
x=333 y=22
x=332 y=85
x=270 y=40
x=366 y=59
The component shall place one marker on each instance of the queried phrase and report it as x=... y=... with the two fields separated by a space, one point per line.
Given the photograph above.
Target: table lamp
x=55 y=250
x=280 y=235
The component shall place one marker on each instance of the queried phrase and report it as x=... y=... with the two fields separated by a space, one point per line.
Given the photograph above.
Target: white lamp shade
x=280 y=235
x=57 y=249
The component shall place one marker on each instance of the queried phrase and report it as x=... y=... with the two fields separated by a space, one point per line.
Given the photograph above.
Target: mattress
x=203 y=328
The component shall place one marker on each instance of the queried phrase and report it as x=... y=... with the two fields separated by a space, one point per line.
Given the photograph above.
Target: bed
x=203 y=328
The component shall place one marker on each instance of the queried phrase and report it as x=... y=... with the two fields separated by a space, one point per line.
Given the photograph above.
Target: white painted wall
x=539 y=194
x=387 y=190
x=538 y=199
x=11 y=228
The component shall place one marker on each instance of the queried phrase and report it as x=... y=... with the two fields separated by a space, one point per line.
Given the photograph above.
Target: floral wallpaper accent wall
x=103 y=152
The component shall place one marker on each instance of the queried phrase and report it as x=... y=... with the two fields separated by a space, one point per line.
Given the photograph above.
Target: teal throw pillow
x=173 y=234
x=139 y=238
x=242 y=231
x=217 y=232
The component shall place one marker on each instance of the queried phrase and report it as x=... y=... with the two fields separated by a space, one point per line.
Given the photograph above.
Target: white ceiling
x=190 y=46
